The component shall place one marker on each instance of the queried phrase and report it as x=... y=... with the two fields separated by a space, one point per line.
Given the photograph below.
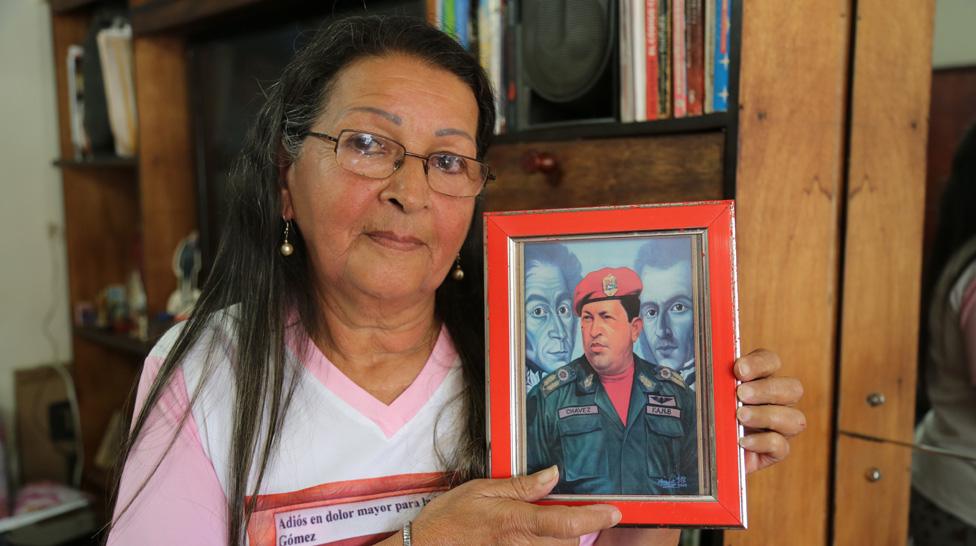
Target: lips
x=395 y=241
x=666 y=350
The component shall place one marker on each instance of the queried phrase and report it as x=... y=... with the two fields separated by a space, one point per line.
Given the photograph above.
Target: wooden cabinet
x=824 y=156
x=122 y=215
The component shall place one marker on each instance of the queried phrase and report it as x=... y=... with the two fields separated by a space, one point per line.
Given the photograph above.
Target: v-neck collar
x=389 y=418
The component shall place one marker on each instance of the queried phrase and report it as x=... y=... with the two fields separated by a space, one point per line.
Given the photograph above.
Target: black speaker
x=566 y=59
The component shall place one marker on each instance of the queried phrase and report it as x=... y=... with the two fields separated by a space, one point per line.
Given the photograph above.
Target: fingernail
x=743 y=369
x=549 y=474
x=746 y=392
x=744 y=414
x=747 y=442
x=612 y=511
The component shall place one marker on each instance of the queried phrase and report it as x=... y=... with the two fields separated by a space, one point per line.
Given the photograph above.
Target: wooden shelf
x=97 y=162
x=719 y=121
x=119 y=342
x=170 y=15
x=64 y=6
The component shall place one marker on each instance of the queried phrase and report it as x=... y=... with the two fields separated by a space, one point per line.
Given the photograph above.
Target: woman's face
x=392 y=239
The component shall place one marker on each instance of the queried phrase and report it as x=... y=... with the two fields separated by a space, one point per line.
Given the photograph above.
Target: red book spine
x=651 y=53
x=695 y=46
x=679 y=71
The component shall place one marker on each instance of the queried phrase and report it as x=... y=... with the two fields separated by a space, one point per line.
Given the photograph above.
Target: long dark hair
x=956 y=226
x=957 y=209
x=250 y=273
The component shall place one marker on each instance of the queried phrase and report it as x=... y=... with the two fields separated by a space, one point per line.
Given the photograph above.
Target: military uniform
x=572 y=423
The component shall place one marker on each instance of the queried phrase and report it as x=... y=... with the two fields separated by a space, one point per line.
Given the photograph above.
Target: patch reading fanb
x=664 y=401
x=578 y=410
x=666 y=412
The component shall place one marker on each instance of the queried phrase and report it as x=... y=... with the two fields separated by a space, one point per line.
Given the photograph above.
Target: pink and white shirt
x=348 y=470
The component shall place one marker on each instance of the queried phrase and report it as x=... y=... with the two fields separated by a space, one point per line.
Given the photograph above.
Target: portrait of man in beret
x=614 y=423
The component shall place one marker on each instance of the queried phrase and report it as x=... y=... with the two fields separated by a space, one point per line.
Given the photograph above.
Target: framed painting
x=612 y=333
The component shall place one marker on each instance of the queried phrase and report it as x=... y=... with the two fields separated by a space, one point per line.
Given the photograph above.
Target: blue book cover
x=723 y=19
x=462 y=14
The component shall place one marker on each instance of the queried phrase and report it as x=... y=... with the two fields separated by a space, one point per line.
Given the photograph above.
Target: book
x=638 y=58
x=76 y=102
x=652 y=95
x=490 y=51
x=720 y=77
x=658 y=59
x=679 y=67
x=664 y=57
x=626 y=50
x=449 y=17
x=462 y=22
x=695 y=56
x=115 y=53
x=709 y=56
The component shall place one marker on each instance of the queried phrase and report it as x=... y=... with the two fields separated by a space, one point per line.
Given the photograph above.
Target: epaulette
x=557 y=379
x=667 y=374
x=646 y=381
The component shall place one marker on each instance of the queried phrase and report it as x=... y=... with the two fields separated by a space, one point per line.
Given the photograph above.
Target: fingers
x=525 y=488
x=781 y=419
x=570 y=522
x=771 y=390
x=772 y=446
x=757 y=364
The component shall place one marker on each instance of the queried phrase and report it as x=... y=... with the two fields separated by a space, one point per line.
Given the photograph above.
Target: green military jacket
x=572 y=423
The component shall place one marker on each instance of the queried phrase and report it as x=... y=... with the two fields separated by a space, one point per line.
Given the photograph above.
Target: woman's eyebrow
x=379 y=112
x=451 y=131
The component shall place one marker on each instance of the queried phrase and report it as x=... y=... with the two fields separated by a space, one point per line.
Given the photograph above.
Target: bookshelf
x=113 y=205
x=811 y=117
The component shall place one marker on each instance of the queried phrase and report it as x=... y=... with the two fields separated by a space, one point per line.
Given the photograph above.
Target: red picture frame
x=514 y=241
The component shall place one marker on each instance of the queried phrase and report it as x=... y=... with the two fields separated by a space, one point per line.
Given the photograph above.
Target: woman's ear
x=287 y=209
x=285 y=174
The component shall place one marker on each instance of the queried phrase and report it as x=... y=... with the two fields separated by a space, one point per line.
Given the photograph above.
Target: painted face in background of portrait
x=669 y=322
x=667 y=307
x=551 y=273
x=549 y=321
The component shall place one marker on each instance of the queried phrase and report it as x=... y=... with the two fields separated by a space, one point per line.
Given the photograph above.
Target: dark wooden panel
x=167 y=196
x=610 y=172
x=153 y=16
x=101 y=218
x=789 y=184
x=104 y=381
x=882 y=264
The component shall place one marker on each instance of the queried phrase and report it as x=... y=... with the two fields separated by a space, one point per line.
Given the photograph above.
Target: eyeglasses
x=378 y=157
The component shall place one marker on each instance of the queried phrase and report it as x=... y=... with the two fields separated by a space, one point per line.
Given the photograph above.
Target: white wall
x=955 y=33
x=34 y=327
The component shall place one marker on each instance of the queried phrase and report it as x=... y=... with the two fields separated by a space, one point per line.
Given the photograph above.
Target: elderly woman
x=331 y=379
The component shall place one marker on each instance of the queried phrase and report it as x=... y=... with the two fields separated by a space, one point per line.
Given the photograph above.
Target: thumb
x=532 y=487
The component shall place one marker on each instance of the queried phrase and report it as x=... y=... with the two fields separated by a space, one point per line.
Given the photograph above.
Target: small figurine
x=186 y=265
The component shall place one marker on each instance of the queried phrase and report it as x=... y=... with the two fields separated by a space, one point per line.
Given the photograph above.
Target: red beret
x=609 y=283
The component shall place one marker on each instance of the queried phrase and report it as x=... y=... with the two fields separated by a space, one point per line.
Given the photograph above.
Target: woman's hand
x=498 y=512
x=767 y=414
